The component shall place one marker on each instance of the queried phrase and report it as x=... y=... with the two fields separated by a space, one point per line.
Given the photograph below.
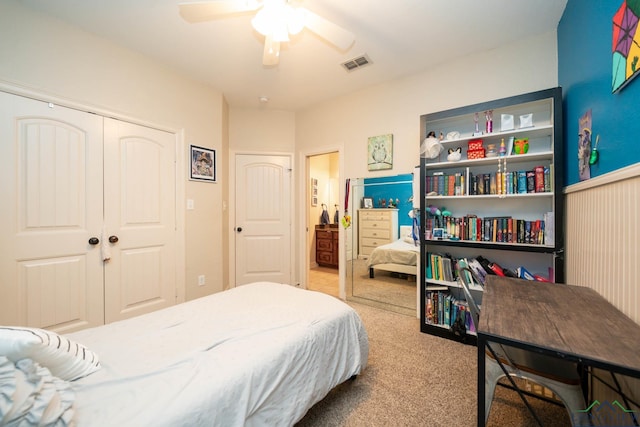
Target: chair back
x=467 y=277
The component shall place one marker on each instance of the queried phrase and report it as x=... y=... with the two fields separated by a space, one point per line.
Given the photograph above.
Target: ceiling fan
x=275 y=19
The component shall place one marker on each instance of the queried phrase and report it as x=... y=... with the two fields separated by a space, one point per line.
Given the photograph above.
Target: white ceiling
x=401 y=37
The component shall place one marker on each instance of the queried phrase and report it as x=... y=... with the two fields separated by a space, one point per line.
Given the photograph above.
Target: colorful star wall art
x=626 y=44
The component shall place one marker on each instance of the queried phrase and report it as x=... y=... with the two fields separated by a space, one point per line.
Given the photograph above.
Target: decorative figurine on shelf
x=433 y=210
x=383 y=203
x=476 y=119
x=431 y=146
x=503 y=149
x=455 y=154
x=488 y=115
x=521 y=145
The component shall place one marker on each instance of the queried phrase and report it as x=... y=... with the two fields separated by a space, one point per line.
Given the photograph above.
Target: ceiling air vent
x=355 y=63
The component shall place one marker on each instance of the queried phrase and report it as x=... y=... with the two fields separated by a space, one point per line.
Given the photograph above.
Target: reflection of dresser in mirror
x=327 y=245
x=376 y=227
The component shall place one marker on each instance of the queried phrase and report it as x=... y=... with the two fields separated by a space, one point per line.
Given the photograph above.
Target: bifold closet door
x=51 y=187
x=77 y=188
x=140 y=212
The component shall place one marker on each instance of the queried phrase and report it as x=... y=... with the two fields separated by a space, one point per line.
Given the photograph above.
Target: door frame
x=303 y=178
x=232 y=213
x=180 y=167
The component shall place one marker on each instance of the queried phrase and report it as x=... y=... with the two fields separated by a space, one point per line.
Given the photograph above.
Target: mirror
x=382 y=259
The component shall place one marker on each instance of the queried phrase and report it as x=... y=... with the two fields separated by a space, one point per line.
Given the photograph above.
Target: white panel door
x=51 y=191
x=140 y=211
x=263 y=219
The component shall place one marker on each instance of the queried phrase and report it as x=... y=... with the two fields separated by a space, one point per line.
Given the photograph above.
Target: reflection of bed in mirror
x=400 y=256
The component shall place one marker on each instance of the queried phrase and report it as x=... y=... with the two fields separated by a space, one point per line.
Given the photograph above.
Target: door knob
x=239 y=229
x=113 y=239
x=94 y=241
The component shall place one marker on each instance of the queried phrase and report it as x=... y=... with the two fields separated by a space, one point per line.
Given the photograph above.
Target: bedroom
x=205 y=116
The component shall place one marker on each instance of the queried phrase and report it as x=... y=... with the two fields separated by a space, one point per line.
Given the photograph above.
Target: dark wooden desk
x=570 y=322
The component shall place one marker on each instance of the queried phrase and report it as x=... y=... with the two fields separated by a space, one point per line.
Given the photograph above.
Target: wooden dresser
x=376 y=227
x=327 y=246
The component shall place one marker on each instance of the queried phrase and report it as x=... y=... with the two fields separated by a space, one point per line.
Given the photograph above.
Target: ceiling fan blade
x=200 y=11
x=271 y=55
x=329 y=31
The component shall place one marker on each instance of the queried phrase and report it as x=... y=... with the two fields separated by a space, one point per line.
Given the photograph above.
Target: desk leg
x=481 y=381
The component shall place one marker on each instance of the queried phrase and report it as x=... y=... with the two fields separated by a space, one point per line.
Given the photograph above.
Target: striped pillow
x=64 y=358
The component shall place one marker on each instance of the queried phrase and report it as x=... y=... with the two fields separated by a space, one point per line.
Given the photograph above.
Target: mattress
x=397 y=252
x=259 y=354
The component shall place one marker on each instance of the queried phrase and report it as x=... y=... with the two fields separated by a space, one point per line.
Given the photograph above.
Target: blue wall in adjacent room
x=396 y=187
x=584 y=72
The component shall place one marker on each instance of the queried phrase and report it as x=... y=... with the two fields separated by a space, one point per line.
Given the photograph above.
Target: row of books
x=537 y=180
x=442 y=309
x=444 y=267
x=488 y=229
x=446 y=184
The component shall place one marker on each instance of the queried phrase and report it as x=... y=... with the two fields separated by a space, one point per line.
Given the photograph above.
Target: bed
x=259 y=354
x=400 y=256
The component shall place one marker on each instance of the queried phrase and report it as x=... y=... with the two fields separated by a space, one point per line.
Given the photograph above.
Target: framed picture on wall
x=380 y=152
x=203 y=164
x=314 y=192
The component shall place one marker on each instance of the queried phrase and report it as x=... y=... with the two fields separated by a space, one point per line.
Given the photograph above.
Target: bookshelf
x=490 y=208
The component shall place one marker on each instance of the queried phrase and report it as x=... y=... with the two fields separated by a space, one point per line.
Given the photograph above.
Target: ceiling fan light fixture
x=262 y=22
x=295 y=20
x=278 y=20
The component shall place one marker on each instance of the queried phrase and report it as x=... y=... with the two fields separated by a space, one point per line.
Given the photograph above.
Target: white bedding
x=257 y=355
x=397 y=252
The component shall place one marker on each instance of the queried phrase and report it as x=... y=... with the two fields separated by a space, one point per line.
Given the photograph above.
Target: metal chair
x=559 y=376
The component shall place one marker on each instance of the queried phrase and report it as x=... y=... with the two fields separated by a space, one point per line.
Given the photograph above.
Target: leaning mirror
x=382 y=255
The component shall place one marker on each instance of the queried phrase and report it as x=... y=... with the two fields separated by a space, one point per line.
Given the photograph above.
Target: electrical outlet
x=201 y=280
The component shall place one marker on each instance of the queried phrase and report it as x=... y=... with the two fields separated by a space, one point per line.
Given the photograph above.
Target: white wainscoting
x=602 y=233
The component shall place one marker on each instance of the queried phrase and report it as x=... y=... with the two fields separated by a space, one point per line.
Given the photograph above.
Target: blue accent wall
x=396 y=187
x=584 y=72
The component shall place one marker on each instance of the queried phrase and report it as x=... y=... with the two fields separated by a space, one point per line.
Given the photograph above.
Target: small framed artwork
x=367 y=202
x=380 y=152
x=438 y=234
x=314 y=192
x=203 y=164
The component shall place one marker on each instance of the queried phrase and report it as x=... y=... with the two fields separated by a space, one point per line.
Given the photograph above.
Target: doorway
x=323 y=218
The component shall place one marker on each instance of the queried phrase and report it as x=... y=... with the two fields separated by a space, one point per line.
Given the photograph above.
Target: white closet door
x=140 y=204
x=51 y=191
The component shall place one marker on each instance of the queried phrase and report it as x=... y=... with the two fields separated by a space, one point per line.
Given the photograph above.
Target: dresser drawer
x=376 y=233
x=370 y=223
x=324 y=244
x=375 y=215
x=373 y=242
x=325 y=258
x=326 y=235
x=366 y=250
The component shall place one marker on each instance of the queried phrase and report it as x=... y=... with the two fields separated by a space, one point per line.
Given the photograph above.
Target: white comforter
x=398 y=252
x=257 y=355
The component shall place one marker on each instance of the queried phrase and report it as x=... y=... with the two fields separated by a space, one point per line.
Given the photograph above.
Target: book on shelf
x=501 y=229
x=443 y=184
x=442 y=309
x=536 y=180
